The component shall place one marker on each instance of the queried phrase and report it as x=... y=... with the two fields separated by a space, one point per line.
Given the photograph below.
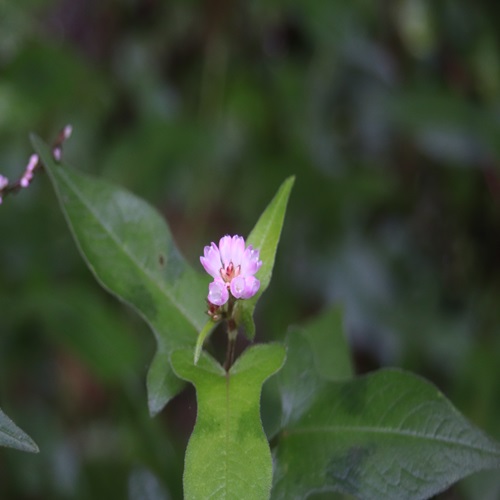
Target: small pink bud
x=32 y=163
x=4 y=182
x=68 y=130
x=28 y=173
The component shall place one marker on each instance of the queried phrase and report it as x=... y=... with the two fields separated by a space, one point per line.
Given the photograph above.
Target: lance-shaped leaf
x=228 y=454
x=128 y=247
x=13 y=437
x=265 y=236
x=387 y=435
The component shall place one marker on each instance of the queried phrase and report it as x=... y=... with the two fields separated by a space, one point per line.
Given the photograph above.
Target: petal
x=250 y=262
x=218 y=293
x=211 y=260
x=238 y=286
x=244 y=287
x=225 y=246
x=252 y=286
x=232 y=249
x=237 y=250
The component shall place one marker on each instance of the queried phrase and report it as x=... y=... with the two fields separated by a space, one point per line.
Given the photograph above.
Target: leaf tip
x=288 y=184
x=202 y=336
x=34 y=448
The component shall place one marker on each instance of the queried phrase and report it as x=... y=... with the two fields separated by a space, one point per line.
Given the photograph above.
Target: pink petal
x=244 y=287
x=232 y=249
x=218 y=293
x=238 y=286
x=237 y=250
x=252 y=286
x=250 y=263
x=211 y=260
x=225 y=246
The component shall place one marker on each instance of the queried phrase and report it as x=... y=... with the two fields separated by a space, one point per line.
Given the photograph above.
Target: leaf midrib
x=116 y=240
x=387 y=431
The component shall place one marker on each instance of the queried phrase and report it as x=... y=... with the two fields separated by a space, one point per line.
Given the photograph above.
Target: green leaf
x=228 y=454
x=128 y=247
x=316 y=352
x=265 y=237
x=291 y=392
x=328 y=343
x=387 y=435
x=207 y=329
x=13 y=437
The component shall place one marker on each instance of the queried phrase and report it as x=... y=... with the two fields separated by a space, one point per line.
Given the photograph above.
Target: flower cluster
x=33 y=164
x=233 y=268
x=23 y=182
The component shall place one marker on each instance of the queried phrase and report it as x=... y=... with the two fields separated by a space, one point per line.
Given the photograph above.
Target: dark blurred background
x=387 y=111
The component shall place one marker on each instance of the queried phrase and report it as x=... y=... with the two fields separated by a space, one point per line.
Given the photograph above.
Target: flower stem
x=232 y=332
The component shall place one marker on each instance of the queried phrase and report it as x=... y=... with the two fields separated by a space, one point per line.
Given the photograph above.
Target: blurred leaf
x=144 y=485
x=386 y=435
x=128 y=247
x=228 y=455
x=265 y=237
x=78 y=318
x=297 y=383
x=316 y=353
x=13 y=437
x=58 y=85
x=329 y=345
x=445 y=126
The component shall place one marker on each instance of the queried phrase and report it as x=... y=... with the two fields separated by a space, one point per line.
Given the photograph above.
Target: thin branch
x=33 y=165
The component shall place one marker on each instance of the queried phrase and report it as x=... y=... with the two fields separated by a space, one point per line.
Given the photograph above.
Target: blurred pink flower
x=233 y=268
x=4 y=182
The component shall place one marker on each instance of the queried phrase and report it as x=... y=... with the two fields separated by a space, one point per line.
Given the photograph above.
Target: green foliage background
x=387 y=112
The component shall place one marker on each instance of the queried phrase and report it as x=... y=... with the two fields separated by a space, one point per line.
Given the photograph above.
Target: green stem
x=232 y=332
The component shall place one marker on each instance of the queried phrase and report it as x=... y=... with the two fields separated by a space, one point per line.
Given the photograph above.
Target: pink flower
x=233 y=268
x=4 y=182
x=28 y=173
